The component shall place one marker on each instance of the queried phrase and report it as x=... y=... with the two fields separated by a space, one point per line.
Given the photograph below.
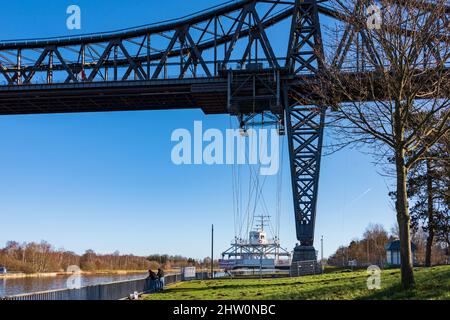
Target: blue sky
x=106 y=181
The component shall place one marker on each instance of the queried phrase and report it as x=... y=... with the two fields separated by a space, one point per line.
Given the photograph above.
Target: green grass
x=431 y=283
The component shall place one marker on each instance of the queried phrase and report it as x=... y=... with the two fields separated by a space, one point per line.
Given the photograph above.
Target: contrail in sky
x=359 y=197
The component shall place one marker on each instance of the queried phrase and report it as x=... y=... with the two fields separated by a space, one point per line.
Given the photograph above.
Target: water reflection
x=9 y=287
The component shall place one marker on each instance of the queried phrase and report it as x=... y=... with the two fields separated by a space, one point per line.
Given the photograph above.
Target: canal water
x=9 y=287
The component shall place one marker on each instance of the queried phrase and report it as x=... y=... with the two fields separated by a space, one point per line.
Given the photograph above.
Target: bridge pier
x=305 y=127
x=304 y=253
x=305 y=118
x=304 y=262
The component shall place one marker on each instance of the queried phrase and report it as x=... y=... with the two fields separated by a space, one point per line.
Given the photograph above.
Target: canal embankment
x=21 y=275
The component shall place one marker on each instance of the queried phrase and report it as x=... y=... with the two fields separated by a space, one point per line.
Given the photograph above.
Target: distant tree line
x=43 y=257
x=370 y=249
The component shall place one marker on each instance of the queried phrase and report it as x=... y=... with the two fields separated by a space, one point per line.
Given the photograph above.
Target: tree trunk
x=404 y=221
x=430 y=237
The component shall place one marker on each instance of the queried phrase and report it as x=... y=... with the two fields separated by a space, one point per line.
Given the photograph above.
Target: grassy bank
x=432 y=283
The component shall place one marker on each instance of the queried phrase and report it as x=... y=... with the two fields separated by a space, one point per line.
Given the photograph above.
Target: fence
x=108 y=291
x=259 y=273
x=305 y=268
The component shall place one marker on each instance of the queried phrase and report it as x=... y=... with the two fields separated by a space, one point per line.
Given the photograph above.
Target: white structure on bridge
x=256 y=252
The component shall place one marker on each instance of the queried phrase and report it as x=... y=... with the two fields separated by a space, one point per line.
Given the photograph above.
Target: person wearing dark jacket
x=152 y=275
x=152 y=281
x=160 y=276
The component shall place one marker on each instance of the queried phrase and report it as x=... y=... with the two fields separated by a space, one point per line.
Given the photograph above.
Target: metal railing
x=108 y=291
x=259 y=273
x=305 y=268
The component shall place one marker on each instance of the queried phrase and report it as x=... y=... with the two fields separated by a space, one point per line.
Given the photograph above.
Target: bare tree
x=387 y=83
x=366 y=251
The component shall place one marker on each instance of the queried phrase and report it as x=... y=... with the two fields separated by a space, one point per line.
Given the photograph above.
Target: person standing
x=161 y=279
x=152 y=278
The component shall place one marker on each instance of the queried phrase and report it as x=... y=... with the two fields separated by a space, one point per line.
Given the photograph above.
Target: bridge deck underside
x=209 y=95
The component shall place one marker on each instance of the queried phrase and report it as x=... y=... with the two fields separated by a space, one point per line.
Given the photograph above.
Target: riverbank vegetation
x=42 y=257
x=431 y=283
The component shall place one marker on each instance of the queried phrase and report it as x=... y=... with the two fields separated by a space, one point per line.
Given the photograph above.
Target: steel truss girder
x=305 y=120
x=305 y=127
x=89 y=59
x=305 y=51
x=219 y=31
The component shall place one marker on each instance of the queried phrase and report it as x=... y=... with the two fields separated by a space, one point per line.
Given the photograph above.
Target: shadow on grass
x=346 y=290
x=224 y=286
x=430 y=285
x=298 y=288
x=247 y=287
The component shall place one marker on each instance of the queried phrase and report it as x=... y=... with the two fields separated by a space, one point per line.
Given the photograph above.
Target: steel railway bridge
x=243 y=58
